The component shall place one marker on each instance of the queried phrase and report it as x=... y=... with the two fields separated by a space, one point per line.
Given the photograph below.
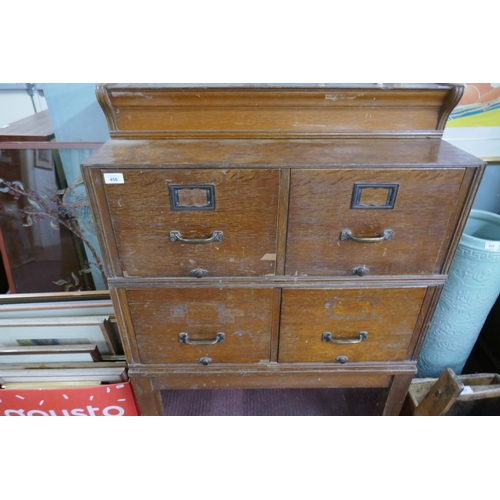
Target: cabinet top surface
x=262 y=153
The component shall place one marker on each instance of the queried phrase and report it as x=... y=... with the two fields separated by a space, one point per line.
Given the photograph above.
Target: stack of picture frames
x=59 y=344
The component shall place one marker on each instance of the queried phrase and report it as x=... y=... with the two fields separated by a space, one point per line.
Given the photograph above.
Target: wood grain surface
x=388 y=316
x=244 y=316
x=246 y=212
x=292 y=153
x=153 y=111
x=320 y=209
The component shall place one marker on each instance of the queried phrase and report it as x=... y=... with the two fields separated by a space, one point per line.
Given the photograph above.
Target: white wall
x=16 y=104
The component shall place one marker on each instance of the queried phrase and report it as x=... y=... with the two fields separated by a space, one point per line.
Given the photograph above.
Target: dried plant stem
x=61 y=215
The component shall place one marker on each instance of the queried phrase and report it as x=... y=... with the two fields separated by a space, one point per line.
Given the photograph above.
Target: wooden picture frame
x=44 y=159
x=57 y=331
x=100 y=372
x=82 y=353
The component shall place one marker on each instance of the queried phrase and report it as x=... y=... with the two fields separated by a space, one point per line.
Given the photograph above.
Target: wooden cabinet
x=264 y=237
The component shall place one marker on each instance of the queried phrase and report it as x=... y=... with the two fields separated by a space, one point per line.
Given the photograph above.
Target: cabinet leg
x=397 y=393
x=147 y=398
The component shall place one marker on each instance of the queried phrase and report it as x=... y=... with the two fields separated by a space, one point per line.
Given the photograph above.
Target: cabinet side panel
x=99 y=205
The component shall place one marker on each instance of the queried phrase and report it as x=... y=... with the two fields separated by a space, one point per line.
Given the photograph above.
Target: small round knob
x=205 y=361
x=360 y=270
x=199 y=273
x=342 y=359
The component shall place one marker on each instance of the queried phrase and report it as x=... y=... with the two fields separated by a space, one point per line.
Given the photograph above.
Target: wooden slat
x=441 y=396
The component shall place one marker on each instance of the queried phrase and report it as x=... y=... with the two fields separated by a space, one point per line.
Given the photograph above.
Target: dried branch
x=60 y=213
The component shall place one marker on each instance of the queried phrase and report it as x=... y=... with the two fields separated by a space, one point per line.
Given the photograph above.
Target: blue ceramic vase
x=470 y=292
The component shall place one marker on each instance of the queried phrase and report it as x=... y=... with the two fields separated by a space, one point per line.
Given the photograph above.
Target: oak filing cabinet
x=277 y=236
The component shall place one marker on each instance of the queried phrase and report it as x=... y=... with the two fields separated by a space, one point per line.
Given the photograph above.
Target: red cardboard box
x=114 y=400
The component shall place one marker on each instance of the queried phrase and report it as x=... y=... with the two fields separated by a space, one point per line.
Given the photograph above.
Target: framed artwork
x=58 y=331
x=77 y=353
x=4 y=157
x=100 y=372
x=474 y=124
x=43 y=159
x=479 y=106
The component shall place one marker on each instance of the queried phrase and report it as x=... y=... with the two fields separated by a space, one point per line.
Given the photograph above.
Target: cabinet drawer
x=379 y=322
x=173 y=222
x=401 y=217
x=170 y=325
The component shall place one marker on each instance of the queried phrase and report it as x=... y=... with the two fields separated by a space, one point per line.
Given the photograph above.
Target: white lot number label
x=114 y=179
x=493 y=246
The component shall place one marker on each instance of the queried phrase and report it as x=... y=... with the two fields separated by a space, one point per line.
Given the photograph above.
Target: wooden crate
x=454 y=395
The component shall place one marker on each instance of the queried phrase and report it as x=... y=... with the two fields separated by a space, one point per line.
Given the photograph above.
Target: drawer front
x=171 y=325
x=174 y=222
x=389 y=222
x=316 y=324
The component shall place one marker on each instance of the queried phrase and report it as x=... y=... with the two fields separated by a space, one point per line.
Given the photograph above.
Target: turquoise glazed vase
x=470 y=292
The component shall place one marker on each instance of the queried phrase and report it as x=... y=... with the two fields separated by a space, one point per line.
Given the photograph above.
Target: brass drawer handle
x=387 y=234
x=327 y=337
x=184 y=339
x=216 y=237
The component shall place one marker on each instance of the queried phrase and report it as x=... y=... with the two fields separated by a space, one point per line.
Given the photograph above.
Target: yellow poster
x=479 y=106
